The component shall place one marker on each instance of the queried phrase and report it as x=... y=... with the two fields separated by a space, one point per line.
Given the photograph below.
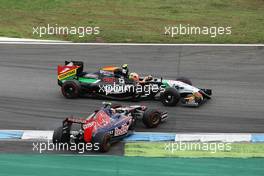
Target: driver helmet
x=125 y=69
x=70 y=64
x=134 y=76
x=124 y=66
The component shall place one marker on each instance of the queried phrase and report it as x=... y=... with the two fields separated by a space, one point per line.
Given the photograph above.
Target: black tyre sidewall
x=170 y=92
x=103 y=139
x=57 y=135
x=69 y=84
x=148 y=118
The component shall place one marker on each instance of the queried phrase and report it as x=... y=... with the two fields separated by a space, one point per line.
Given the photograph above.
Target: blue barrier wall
x=11 y=134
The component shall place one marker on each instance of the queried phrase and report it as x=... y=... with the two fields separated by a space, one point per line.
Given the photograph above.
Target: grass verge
x=135 y=20
x=160 y=149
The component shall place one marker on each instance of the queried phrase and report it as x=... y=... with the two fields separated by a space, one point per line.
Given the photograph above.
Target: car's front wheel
x=170 y=97
x=151 y=118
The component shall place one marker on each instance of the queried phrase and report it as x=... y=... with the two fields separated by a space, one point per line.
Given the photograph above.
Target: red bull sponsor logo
x=121 y=131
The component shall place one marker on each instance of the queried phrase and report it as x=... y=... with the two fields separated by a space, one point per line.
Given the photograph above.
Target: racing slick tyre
x=170 y=97
x=185 y=80
x=70 y=89
x=59 y=136
x=151 y=118
x=103 y=140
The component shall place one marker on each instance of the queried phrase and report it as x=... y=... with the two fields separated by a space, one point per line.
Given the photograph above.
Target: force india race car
x=108 y=125
x=107 y=83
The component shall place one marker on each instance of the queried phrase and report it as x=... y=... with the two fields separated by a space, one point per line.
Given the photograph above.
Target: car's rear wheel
x=103 y=141
x=151 y=118
x=185 y=80
x=170 y=97
x=70 y=89
x=59 y=136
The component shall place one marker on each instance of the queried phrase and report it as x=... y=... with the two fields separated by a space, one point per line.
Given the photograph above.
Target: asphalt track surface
x=31 y=99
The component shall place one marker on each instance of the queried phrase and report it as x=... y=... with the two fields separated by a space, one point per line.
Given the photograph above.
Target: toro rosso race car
x=116 y=83
x=108 y=125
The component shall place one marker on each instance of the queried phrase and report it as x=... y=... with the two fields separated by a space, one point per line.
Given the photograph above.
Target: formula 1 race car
x=108 y=125
x=109 y=83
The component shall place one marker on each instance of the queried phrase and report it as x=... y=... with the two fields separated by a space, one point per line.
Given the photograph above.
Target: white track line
x=8 y=39
x=37 y=135
x=202 y=137
x=123 y=44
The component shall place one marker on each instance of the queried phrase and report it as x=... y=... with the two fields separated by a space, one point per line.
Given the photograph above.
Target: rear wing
x=69 y=70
